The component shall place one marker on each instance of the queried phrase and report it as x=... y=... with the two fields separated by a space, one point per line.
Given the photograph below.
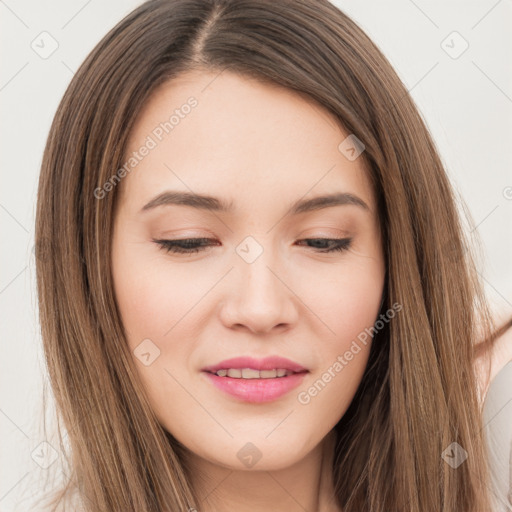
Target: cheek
x=345 y=297
x=348 y=306
x=152 y=298
x=344 y=354
x=358 y=300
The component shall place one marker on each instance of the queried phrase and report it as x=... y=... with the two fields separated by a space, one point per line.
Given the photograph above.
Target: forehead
x=229 y=135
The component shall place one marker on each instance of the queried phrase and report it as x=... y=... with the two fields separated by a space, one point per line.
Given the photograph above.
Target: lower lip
x=257 y=390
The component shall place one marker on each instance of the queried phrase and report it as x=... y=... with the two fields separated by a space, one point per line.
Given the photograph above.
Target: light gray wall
x=466 y=100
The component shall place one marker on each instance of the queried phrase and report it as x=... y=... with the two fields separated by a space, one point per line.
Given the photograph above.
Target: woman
x=258 y=296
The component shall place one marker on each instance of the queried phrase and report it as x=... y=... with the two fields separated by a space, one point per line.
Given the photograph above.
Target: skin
x=489 y=363
x=262 y=147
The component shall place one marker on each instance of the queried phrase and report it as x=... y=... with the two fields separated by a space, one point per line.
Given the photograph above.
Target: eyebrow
x=205 y=202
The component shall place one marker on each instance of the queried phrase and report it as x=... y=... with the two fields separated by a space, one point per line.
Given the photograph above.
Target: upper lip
x=268 y=363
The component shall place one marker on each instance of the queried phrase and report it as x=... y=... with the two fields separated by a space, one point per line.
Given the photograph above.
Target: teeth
x=250 y=373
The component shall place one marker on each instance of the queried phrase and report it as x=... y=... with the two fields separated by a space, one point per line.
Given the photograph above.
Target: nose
x=259 y=296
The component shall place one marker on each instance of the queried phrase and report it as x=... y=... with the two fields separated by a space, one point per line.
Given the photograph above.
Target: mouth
x=272 y=363
x=251 y=373
x=251 y=380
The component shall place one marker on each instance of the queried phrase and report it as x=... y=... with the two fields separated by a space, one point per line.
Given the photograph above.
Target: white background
x=466 y=102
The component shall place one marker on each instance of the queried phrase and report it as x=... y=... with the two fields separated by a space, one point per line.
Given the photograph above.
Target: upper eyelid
x=347 y=240
x=209 y=239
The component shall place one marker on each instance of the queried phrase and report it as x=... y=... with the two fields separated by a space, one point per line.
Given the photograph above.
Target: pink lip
x=257 y=390
x=269 y=363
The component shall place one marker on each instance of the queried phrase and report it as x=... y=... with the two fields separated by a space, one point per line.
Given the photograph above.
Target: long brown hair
x=418 y=394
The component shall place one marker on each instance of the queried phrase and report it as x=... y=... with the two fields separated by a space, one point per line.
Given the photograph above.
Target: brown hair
x=418 y=393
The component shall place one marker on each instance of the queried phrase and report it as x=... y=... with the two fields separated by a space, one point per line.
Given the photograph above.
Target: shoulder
x=491 y=360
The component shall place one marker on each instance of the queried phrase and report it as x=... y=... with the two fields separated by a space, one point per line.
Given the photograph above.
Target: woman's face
x=262 y=284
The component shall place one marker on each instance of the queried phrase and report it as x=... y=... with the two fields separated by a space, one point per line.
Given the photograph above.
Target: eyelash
x=341 y=244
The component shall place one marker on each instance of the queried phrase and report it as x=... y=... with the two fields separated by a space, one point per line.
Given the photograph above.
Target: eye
x=333 y=244
x=184 y=245
x=192 y=245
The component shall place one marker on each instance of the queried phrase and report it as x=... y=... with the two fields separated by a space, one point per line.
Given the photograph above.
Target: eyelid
x=325 y=233
x=201 y=244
